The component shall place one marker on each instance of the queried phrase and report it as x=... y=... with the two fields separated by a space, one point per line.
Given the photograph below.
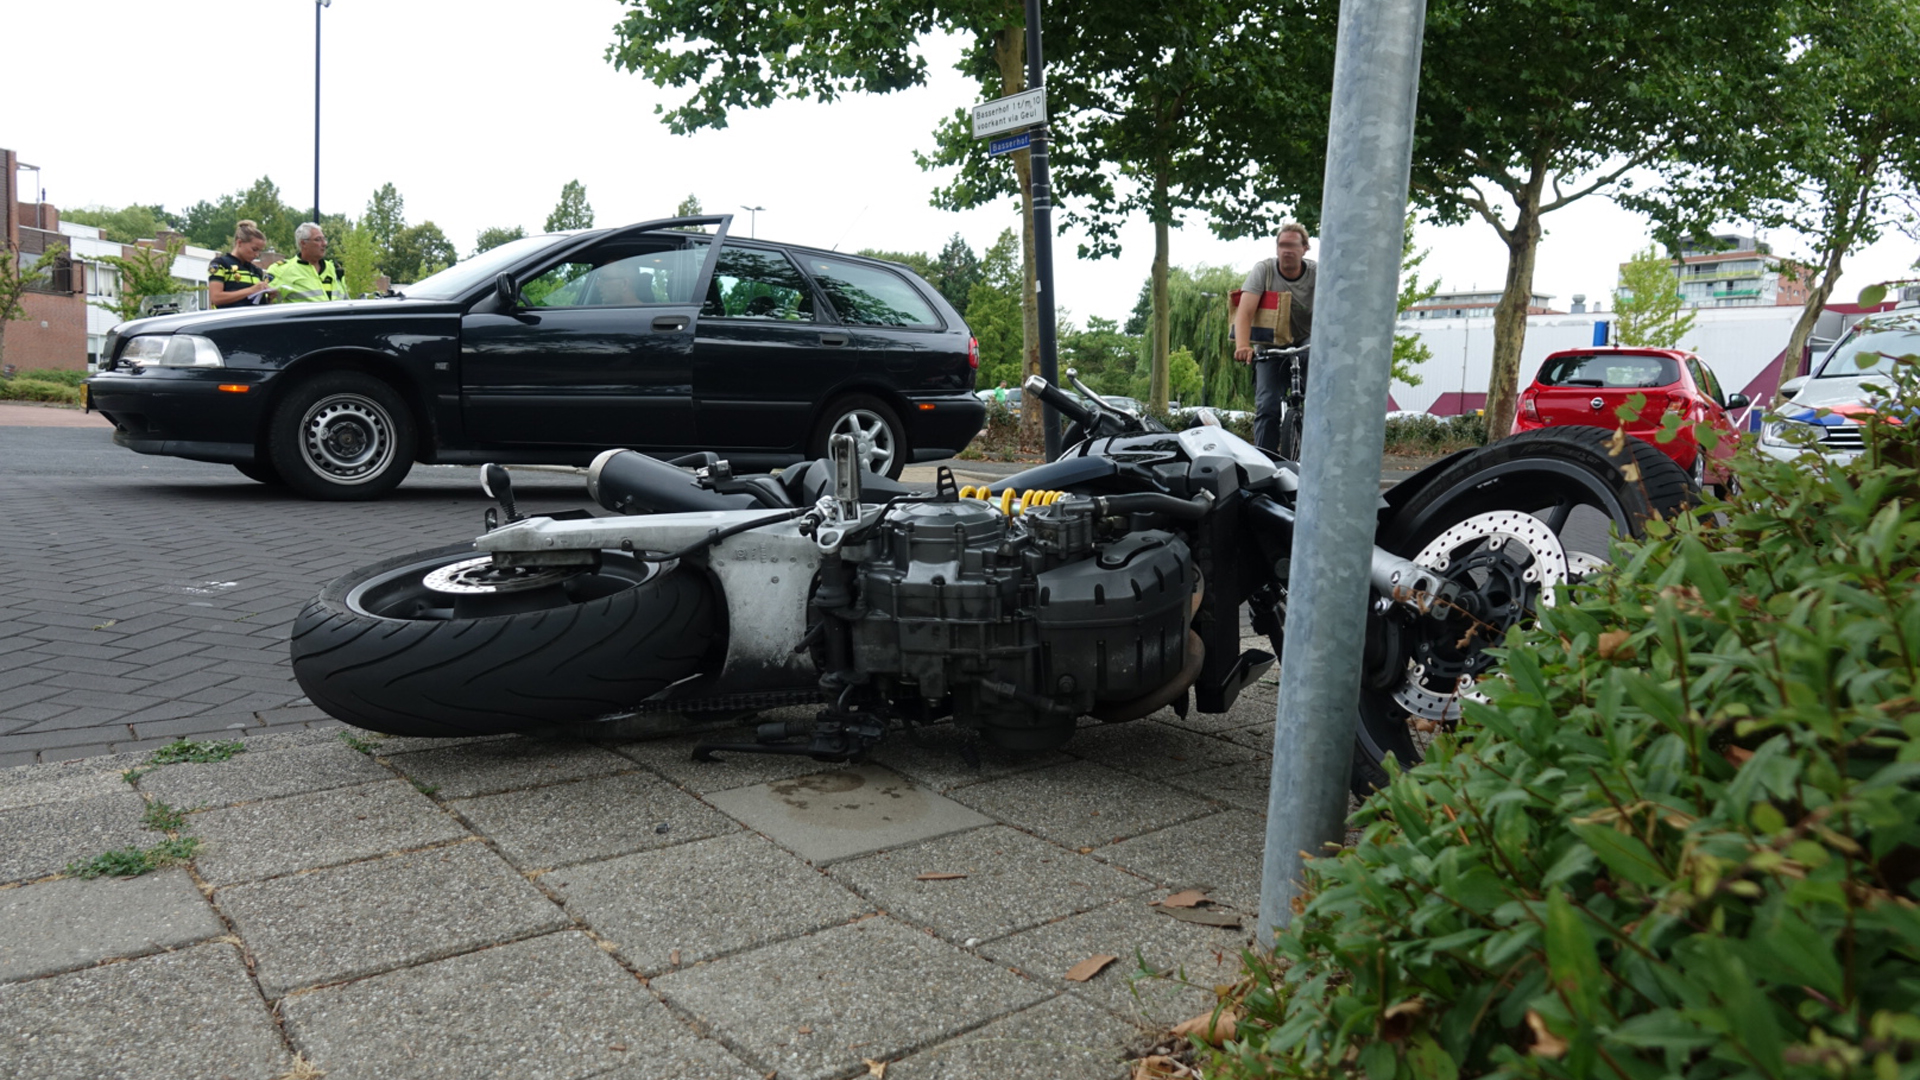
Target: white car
x=1823 y=412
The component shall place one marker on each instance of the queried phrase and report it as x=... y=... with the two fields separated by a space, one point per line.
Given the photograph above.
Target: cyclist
x=1291 y=272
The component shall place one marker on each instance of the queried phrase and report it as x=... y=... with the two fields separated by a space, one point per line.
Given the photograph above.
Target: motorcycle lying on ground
x=1109 y=583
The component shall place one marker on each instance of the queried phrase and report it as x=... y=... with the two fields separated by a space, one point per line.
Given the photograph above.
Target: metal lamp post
x=753 y=220
x=317 y=5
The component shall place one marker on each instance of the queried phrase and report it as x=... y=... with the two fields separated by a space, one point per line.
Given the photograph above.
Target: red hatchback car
x=1586 y=386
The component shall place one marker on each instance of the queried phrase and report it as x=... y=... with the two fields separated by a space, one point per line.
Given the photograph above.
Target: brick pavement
x=144 y=599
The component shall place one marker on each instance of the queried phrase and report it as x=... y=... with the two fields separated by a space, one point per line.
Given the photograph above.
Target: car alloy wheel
x=883 y=447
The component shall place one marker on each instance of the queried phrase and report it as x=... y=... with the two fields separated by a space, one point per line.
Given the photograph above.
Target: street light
x=39 y=193
x=317 y=5
x=753 y=222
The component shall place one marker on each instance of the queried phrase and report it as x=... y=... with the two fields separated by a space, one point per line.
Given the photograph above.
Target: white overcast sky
x=479 y=110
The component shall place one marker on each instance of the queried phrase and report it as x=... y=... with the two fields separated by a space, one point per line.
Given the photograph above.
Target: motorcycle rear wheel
x=1569 y=481
x=488 y=652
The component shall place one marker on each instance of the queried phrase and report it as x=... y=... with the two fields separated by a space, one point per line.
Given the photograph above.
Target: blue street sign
x=1009 y=144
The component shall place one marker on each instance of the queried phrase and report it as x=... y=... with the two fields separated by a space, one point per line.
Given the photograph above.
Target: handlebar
x=1062 y=403
x=1279 y=352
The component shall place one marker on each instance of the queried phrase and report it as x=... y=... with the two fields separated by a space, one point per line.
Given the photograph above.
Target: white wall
x=1737 y=343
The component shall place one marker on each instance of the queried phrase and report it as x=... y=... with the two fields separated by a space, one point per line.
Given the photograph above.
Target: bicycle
x=1293 y=404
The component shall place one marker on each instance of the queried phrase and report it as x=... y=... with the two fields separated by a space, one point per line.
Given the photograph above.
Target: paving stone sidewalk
x=559 y=908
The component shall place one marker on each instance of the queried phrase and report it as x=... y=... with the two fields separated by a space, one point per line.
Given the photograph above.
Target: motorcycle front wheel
x=1505 y=524
x=441 y=643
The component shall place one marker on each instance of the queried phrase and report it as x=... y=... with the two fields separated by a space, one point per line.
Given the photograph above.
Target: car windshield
x=462 y=278
x=1870 y=352
x=1616 y=370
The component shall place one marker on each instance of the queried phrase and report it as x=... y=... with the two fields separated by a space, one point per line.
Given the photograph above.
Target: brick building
x=53 y=333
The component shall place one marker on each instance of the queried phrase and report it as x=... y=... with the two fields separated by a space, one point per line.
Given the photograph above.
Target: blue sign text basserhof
x=1009 y=144
x=1010 y=113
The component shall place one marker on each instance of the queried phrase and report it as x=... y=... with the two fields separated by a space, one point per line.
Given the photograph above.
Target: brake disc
x=1503 y=561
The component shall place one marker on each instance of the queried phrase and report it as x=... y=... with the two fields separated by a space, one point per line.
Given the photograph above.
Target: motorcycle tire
x=375 y=650
x=1550 y=474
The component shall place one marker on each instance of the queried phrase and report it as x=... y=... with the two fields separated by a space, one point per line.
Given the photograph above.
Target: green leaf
x=1429 y=1060
x=1379 y=1061
x=1873 y=295
x=1625 y=855
x=1664 y=1029
x=1572 y=959
x=1790 y=940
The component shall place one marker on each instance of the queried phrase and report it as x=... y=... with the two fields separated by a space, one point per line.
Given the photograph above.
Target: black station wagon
x=659 y=337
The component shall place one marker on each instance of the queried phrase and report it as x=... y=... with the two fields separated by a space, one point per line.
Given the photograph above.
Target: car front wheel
x=342 y=436
x=883 y=443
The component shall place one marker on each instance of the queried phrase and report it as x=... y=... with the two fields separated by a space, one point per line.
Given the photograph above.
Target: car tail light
x=973 y=353
x=1531 y=407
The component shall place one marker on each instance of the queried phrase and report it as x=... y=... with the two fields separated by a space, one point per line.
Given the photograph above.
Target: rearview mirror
x=507 y=291
x=1737 y=401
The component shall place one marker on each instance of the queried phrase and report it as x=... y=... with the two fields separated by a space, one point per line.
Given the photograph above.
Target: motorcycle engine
x=1027 y=621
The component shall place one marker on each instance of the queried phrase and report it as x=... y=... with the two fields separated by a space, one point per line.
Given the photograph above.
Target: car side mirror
x=1738 y=401
x=1792 y=386
x=507 y=291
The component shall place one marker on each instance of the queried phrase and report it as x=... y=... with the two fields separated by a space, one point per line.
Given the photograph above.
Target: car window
x=752 y=284
x=456 y=280
x=1608 y=370
x=1708 y=382
x=1876 y=347
x=870 y=296
x=626 y=273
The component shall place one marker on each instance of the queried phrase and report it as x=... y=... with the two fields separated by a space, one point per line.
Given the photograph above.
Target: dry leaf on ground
x=1159 y=1067
x=1088 y=968
x=1226 y=920
x=1210 y=1028
x=1186 y=898
x=876 y=1069
x=938 y=876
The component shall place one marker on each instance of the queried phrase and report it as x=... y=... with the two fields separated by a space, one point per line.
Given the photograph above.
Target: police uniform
x=231 y=273
x=299 y=282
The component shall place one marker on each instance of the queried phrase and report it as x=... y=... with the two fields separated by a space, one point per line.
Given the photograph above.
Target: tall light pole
x=317 y=5
x=753 y=221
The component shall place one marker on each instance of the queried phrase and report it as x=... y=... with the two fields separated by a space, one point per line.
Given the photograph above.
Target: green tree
x=1409 y=351
x=129 y=223
x=1582 y=94
x=954 y=271
x=211 y=224
x=353 y=248
x=385 y=220
x=1105 y=357
x=1183 y=377
x=1848 y=154
x=1157 y=111
x=495 y=236
x=146 y=272
x=418 y=251
x=994 y=315
x=1647 y=307
x=689 y=207
x=572 y=212
x=17 y=277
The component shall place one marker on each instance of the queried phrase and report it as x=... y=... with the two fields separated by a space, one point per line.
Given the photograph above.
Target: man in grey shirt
x=1291 y=272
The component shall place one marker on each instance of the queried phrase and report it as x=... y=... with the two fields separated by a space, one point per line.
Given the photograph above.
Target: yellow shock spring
x=1010 y=502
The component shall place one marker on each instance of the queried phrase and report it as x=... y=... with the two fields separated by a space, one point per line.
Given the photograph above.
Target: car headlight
x=1790 y=434
x=172 y=350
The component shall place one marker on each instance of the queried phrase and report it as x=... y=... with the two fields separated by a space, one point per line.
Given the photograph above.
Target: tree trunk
x=1510 y=314
x=1162 y=302
x=1847 y=213
x=1809 y=315
x=1010 y=56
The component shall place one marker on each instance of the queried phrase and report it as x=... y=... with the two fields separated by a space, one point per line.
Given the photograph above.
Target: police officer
x=233 y=279
x=312 y=276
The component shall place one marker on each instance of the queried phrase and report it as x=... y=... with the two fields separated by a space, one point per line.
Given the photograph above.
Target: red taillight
x=1530 y=406
x=973 y=353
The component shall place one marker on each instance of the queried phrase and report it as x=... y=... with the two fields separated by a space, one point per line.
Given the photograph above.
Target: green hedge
x=21 y=388
x=63 y=376
x=1680 y=839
